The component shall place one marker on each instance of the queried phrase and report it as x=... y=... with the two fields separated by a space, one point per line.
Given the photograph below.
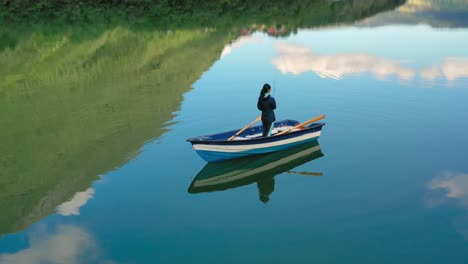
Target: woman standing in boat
x=266 y=104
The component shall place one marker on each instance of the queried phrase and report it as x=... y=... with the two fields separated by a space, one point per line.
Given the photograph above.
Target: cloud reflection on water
x=68 y=244
x=296 y=59
x=73 y=206
x=450 y=187
x=241 y=41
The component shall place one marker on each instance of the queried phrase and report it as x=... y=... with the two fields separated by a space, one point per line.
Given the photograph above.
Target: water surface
x=95 y=167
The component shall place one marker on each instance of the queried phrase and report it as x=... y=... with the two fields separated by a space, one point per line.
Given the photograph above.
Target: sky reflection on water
x=409 y=53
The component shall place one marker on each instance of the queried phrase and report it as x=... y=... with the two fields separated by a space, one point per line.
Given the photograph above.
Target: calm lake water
x=94 y=166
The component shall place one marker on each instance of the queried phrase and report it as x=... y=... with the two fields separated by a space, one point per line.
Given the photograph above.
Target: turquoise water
x=390 y=185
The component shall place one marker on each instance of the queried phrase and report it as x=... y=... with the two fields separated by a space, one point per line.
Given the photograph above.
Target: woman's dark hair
x=265 y=89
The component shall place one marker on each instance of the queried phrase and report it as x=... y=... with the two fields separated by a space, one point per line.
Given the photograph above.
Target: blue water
x=395 y=171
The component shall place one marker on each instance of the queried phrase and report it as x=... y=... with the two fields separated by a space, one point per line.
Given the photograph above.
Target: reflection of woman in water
x=266 y=104
x=266 y=186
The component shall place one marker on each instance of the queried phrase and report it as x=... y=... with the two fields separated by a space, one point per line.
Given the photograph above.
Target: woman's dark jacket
x=267 y=105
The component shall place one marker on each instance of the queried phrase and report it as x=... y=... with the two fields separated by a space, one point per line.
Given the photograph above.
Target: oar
x=310 y=121
x=247 y=126
x=306 y=173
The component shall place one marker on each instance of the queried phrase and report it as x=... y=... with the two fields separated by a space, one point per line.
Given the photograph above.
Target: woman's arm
x=273 y=103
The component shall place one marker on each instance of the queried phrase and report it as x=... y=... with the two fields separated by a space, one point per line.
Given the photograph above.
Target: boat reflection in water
x=260 y=169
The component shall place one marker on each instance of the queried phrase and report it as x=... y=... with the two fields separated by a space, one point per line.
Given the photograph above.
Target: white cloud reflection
x=241 y=41
x=453 y=68
x=448 y=187
x=73 y=206
x=69 y=244
x=296 y=59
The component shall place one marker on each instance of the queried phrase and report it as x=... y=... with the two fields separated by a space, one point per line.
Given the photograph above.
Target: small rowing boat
x=249 y=140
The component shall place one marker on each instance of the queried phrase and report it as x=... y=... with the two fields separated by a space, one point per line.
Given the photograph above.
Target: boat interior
x=255 y=132
x=252 y=132
x=274 y=131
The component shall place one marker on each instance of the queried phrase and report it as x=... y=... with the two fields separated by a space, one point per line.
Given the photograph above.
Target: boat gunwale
x=194 y=140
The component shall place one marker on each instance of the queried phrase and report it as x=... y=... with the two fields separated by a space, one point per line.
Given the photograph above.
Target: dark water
x=94 y=167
